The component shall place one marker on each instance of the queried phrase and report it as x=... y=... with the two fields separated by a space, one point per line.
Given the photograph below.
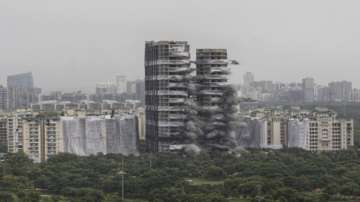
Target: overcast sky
x=72 y=44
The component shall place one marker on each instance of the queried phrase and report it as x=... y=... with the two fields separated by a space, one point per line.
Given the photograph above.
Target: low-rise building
x=321 y=131
x=317 y=130
x=42 y=137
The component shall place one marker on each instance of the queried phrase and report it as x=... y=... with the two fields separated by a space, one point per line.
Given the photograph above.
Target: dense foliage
x=253 y=175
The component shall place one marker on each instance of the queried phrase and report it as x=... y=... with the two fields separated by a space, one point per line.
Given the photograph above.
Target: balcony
x=173 y=92
x=173 y=62
x=176 y=85
x=211 y=92
x=169 y=108
x=180 y=70
x=176 y=116
x=177 y=100
x=212 y=62
x=170 y=124
x=213 y=77
x=220 y=70
x=178 y=53
x=211 y=108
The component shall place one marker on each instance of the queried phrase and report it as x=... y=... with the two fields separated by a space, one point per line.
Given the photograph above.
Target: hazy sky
x=72 y=44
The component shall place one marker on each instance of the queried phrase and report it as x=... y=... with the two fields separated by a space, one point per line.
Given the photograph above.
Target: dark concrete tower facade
x=167 y=65
x=211 y=71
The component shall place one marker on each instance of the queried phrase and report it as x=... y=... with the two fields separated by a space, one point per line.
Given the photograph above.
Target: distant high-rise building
x=121 y=84
x=249 y=89
x=74 y=97
x=131 y=87
x=167 y=64
x=264 y=86
x=323 y=94
x=3 y=98
x=140 y=90
x=24 y=80
x=106 y=88
x=22 y=92
x=340 y=91
x=249 y=78
x=355 y=95
x=56 y=95
x=308 y=87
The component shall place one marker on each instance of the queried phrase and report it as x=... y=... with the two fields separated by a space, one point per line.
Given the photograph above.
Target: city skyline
x=113 y=81
x=179 y=100
x=274 y=40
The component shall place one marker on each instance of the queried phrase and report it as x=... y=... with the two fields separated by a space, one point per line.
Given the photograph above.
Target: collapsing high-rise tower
x=211 y=70
x=173 y=93
x=167 y=65
x=211 y=76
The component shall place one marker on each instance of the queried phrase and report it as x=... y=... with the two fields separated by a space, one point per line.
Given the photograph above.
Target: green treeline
x=254 y=175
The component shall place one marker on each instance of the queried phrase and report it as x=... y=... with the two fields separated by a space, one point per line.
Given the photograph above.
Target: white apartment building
x=140 y=117
x=14 y=133
x=321 y=131
x=42 y=138
x=272 y=133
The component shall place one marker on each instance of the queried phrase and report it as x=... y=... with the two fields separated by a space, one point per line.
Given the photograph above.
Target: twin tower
x=168 y=72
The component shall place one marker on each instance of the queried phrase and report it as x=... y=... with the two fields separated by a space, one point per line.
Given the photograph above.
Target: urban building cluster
x=20 y=93
x=41 y=135
x=119 y=90
x=316 y=130
x=42 y=125
x=308 y=91
x=157 y=114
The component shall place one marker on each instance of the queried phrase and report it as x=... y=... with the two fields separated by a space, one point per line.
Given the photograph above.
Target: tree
x=8 y=197
x=214 y=172
x=14 y=183
x=29 y=196
x=85 y=194
x=350 y=189
x=17 y=164
x=287 y=195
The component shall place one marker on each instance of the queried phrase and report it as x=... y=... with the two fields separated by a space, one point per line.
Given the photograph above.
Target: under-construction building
x=211 y=71
x=167 y=65
x=211 y=77
x=3 y=98
x=3 y=135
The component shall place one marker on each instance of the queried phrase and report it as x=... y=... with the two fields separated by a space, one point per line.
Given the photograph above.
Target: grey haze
x=72 y=44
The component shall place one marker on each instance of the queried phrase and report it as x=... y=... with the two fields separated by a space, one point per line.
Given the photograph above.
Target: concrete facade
x=167 y=65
